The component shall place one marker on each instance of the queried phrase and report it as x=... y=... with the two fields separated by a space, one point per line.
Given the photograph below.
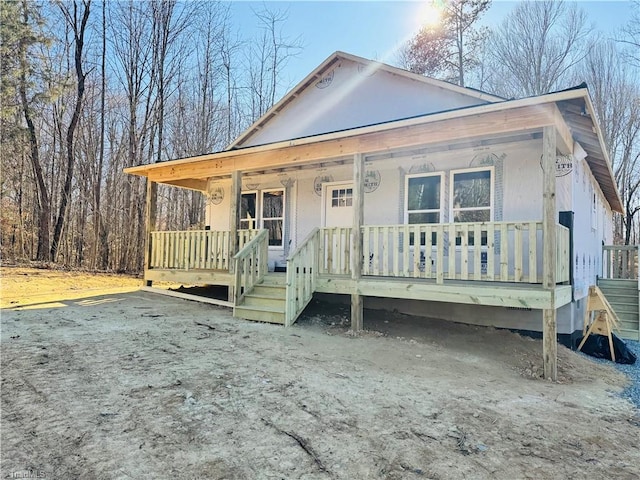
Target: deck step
x=622 y=295
x=618 y=292
x=273 y=290
x=259 y=313
x=275 y=279
x=264 y=300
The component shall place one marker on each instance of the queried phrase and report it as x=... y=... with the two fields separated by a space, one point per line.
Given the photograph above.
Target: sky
x=374 y=29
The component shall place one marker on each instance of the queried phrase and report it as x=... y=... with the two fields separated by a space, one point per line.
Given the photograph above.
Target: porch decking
x=492 y=263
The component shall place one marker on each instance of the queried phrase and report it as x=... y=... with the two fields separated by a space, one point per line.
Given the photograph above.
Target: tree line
x=89 y=88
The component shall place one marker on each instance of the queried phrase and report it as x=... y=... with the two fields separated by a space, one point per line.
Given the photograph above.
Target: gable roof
x=369 y=66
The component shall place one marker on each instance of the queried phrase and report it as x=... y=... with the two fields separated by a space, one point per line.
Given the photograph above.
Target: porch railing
x=494 y=251
x=250 y=265
x=302 y=272
x=193 y=249
x=620 y=261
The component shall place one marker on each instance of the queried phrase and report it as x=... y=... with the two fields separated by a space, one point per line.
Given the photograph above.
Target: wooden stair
x=622 y=295
x=266 y=302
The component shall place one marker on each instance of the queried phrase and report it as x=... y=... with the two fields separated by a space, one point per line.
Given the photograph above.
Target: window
x=273 y=216
x=248 y=211
x=423 y=195
x=341 y=197
x=471 y=195
x=472 y=199
x=268 y=214
x=423 y=198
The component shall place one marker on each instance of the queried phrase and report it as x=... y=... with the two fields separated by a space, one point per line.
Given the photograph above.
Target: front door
x=337 y=204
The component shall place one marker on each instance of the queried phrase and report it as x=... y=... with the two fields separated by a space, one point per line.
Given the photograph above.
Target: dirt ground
x=130 y=384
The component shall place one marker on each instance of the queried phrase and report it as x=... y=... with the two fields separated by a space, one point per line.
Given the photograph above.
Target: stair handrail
x=250 y=265
x=302 y=273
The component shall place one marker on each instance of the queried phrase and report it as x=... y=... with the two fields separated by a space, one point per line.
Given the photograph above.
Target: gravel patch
x=632 y=391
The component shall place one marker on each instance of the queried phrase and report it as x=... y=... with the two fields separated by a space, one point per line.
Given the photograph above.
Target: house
x=403 y=192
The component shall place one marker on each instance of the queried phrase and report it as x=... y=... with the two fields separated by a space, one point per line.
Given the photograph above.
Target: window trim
x=492 y=179
x=439 y=211
x=284 y=213
x=259 y=220
x=255 y=220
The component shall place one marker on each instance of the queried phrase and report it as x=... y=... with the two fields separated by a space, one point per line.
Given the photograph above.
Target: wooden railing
x=335 y=251
x=620 y=261
x=250 y=265
x=302 y=272
x=494 y=251
x=193 y=249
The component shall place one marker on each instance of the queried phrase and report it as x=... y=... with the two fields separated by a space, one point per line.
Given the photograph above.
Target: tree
x=21 y=34
x=537 y=46
x=267 y=57
x=450 y=48
x=631 y=35
x=77 y=21
x=615 y=91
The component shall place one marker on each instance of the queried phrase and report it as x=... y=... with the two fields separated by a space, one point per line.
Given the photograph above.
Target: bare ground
x=138 y=385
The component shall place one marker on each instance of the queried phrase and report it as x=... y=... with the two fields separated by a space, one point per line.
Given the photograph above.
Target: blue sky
x=373 y=29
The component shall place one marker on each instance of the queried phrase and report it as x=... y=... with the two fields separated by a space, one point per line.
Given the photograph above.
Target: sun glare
x=429 y=15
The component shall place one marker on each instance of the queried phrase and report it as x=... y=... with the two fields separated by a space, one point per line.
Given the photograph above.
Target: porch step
x=623 y=297
x=275 y=278
x=260 y=313
x=266 y=302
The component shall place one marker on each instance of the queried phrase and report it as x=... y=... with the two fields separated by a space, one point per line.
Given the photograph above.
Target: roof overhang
x=502 y=119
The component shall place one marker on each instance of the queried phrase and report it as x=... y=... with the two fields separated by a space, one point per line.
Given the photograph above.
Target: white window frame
x=258 y=222
x=492 y=178
x=255 y=220
x=439 y=211
x=284 y=214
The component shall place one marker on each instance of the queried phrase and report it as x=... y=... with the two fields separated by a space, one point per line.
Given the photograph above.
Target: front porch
x=487 y=263
x=464 y=256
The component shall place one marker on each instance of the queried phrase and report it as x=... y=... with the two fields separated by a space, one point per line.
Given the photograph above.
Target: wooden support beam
x=234 y=223
x=150 y=224
x=191 y=183
x=549 y=320
x=357 y=308
x=564 y=139
x=441 y=128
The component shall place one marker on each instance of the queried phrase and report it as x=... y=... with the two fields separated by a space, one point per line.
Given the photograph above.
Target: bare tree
x=630 y=36
x=537 y=46
x=615 y=90
x=77 y=21
x=450 y=48
x=26 y=40
x=266 y=59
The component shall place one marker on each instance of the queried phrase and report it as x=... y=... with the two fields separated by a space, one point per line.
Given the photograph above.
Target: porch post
x=549 y=321
x=357 y=307
x=150 y=225
x=234 y=224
